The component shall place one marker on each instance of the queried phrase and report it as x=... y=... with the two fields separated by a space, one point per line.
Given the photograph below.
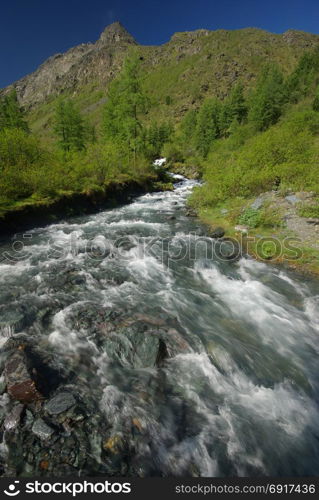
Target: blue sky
x=33 y=30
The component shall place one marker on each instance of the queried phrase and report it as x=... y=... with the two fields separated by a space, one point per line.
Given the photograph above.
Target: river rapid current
x=152 y=356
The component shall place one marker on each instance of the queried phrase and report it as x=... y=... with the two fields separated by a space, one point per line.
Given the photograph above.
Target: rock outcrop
x=78 y=66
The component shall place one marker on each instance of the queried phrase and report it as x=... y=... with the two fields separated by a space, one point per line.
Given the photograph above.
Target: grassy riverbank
x=33 y=211
x=268 y=235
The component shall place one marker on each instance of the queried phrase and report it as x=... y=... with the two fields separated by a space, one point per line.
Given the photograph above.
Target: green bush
x=250 y=217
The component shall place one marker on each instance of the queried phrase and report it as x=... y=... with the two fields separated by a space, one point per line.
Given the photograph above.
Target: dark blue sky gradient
x=33 y=30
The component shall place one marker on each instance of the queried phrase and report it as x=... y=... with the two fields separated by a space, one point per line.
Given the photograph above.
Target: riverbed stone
x=42 y=430
x=12 y=420
x=19 y=381
x=60 y=403
x=217 y=232
x=2 y=385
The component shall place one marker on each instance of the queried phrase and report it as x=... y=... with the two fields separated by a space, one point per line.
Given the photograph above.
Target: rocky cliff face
x=77 y=66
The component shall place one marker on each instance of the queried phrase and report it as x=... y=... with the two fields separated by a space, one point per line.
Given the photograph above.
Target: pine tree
x=11 y=114
x=154 y=137
x=267 y=101
x=188 y=126
x=207 y=128
x=69 y=126
x=237 y=104
x=225 y=118
x=126 y=101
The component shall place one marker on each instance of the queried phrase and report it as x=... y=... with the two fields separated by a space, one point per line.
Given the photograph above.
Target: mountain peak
x=116 y=33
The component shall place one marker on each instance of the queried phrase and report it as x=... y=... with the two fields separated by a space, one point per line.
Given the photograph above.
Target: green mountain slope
x=182 y=72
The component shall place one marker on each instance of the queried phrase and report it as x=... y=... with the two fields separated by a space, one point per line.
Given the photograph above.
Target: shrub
x=250 y=217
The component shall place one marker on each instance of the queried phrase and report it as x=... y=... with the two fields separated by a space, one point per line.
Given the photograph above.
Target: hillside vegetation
x=268 y=139
x=176 y=76
x=33 y=171
x=239 y=108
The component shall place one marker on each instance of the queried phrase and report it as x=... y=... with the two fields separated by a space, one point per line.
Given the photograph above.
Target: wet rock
x=162 y=353
x=135 y=342
x=190 y=212
x=114 y=444
x=2 y=385
x=171 y=217
x=47 y=371
x=175 y=343
x=11 y=321
x=60 y=403
x=217 y=232
x=155 y=321
x=125 y=244
x=29 y=418
x=228 y=249
x=19 y=380
x=42 y=430
x=12 y=420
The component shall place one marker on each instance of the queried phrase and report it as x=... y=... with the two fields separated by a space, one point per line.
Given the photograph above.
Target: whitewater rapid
x=237 y=393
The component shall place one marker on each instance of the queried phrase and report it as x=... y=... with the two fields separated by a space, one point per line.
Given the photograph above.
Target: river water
x=187 y=364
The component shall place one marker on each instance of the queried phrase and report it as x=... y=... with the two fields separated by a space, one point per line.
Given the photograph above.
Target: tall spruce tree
x=11 y=113
x=267 y=101
x=237 y=104
x=207 y=127
x=69 y=126
x=126 y=101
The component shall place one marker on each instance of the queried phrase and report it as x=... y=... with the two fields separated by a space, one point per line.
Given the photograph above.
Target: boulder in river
x=217 y=232
x=60 y=403
x=19 y=379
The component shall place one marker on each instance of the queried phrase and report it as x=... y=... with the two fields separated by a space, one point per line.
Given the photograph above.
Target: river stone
x=60 y=403
x=12 y=420
x=2 y=385
x=11 y=321
x=190 y=212
x=137 y=345
x=217 y=232
x=228 y=249
x=41 y=429
x=20 y=384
